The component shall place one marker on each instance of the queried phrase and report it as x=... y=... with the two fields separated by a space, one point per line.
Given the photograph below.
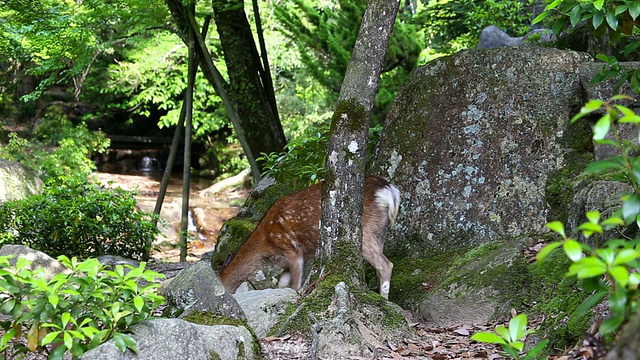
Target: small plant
x=78 y=219
x=73 y=311
x=611 y=270
x=511 y=339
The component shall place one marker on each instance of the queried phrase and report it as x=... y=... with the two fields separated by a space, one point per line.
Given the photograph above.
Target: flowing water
x=206 y=214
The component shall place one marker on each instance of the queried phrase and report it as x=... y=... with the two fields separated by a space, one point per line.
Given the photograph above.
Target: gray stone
x=178 y=339
x=198 y=289
x=263 y=308
x=38 y=259
x=493 y=37
x=471 y=140
x=18 y=181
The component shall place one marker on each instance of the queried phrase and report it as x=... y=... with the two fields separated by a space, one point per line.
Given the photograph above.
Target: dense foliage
x=73 y=311
x=78 y=219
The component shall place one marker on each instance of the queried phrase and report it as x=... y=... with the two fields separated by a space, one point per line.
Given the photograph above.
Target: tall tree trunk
x=248 y=89
x=249 y=104
x=341 y=225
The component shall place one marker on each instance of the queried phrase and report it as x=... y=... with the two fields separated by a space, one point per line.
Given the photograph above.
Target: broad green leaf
x=621 y=8
x=57 y=353
x=618 y=302
x=138 y=302
x=545 y=251
x=589 y=107
x=587 y=267
x=602 y=127
x=597 y=20
x=625 y=255
x=540 y=17
x=50 y=337
x=557 y=227
x=607 y=255
x=612 y=20
x=517 y=326
x=54 y=300
x=610 y=325
x=518 y=345
x=68 y=340
x=554 y=4
x=120 y=342
x=131 y=344
x=575 y=15
x=533 y=353
x=604 y=165
x=593 y=216
x=620 y=275
x=589 y=228
x=573 y=250
x=634 y=9
x=503 y=332
x=634 y=281
x=598 y=4
x=631 y=208
x=590 y=302
x=613 y=222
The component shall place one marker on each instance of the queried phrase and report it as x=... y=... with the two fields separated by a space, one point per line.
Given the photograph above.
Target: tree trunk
x=250 y=105
x=340 y=240
x=248 y=89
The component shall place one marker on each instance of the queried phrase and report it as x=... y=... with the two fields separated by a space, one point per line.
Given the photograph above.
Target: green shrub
x=73 y=311
x=60 y=151
x=78 y=219
x=303 y=162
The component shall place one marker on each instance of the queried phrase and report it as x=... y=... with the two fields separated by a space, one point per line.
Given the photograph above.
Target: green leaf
x=620 y=275
x=610 y=325
x=590 y=302
x=533 y=353
x=631 y=208
x=589 y=229
x=598 y=4
x=68 y=340
x=589 y=107
x=634 y=9
x=625 y=255
x=597 y=20
x=540 y=17
x=120 y=342
x=545 y=251
x=488 y=337
x=612 y=20
x=593 y=216
x=604 y=165
x=618 y=302
x=602 y=127
x=517 y=326
x=575 y=15
x=54 y=300
x=503 y=332
x=557 y=227
x=57 y=353
x=573 y=250
x=138 y=303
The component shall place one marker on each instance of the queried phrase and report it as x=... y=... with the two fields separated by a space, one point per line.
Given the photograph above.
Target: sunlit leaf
x=620 y=275
x=602 y=127
x=517 y=326
x=488 y=337
x=631 y=208
x=625 y=255
x=573 y=249
x=546 y=250
x=557 y=227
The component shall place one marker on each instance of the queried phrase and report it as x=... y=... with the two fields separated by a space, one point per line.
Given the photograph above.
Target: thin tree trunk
x=341 y=225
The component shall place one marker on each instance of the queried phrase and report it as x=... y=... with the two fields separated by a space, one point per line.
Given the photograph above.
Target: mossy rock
x=483 y=284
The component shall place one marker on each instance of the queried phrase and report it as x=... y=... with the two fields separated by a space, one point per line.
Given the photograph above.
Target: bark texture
x=341 y=225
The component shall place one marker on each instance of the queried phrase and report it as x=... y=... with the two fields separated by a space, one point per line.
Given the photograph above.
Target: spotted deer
x=288 y=233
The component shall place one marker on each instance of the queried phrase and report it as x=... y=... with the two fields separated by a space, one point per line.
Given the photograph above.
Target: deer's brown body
x=287 y=235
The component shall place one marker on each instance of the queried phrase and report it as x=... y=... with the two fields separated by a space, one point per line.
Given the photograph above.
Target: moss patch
x=233 y=234
x=210 y=319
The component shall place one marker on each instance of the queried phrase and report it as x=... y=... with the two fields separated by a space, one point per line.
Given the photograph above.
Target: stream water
x=206 y=214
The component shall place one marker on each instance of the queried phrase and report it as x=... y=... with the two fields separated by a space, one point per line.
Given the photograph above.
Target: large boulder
x=18 y=181
x=38 y=260
x=472 y=140
x=179 y=339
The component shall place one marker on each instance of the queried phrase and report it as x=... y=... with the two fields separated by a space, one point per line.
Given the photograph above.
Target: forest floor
x=451 y=343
